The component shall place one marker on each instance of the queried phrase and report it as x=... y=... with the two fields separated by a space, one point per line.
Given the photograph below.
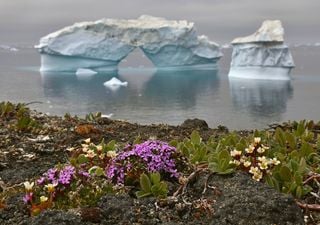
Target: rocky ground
x=28 y=151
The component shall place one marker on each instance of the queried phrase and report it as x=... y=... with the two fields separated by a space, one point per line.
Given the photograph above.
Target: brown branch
x=313 y=207
x=183 y=186
x=312 y=177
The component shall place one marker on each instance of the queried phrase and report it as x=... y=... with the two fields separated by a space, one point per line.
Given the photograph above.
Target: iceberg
x=114 y=84
x=102 y=44
x=262 y=55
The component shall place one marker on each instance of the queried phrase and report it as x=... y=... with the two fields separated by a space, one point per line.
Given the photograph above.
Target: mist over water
x=222 y=20
x=154 y=96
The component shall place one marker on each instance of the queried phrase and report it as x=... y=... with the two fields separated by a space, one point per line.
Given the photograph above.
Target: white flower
x=28 y=186
x=254 y=170
x=99 y=147
x=43 y=199
x=243 y=159
x=257 y=140
x=70 y=149
x=250 y=149
x=51 y=187
x=247 y=164
x=275 y=161
x=235 y=152
x=102 y=155
x=260 y=150
x=85 y=147
x=90 y=154
x=88 y=140
x=236 y=162
x=263 y=166
x=265 y=147
x=257 y=176
x=111 y=154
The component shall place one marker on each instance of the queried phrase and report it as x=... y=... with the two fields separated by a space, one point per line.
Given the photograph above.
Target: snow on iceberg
x=262 y=55
x=104 y=43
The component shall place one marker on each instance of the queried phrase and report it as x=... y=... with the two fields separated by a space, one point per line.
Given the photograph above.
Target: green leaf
x=298 y=178
x=173 y=143
x=145 y=183
x=82 y=159
x=301 y=128
x=299 y=192
x=291 y=140
x=306 y=149
x=100 y=172
x=111 y=145
x=142 y=194
x=280 y=137
x=155 y=178
x=285 y=173
x=96 y=170
x=195 y=137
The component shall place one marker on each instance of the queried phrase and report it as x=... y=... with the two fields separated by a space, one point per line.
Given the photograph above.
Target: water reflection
x=261 y=98
x=148 y=91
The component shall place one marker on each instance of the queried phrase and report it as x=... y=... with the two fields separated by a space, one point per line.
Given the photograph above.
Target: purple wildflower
x=51 y=174
x=41 y=181
x=84 y=173
x=28 y=197
x=66 y=174
x=150 y=156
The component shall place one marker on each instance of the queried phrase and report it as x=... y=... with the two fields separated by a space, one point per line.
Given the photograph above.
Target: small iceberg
x=262 y=55
x=114 y=84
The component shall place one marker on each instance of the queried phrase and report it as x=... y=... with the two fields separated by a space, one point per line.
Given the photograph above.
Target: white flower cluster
x=252 y=160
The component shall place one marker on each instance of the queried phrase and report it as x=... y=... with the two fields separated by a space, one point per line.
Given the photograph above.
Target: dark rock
x=244 y=201
x=57 y=217
x=92 y=214
x=195 y=124
x=117 y=209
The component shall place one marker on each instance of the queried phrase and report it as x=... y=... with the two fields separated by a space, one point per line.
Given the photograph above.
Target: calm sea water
x=156 y=96
x=167 y=97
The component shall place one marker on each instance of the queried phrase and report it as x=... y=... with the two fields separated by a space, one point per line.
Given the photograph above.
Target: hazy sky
x=25 y=21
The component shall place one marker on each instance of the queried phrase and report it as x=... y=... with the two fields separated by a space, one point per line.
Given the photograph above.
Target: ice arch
x=104 y=43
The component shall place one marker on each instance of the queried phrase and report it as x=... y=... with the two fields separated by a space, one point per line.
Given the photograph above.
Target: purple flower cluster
x=55 y=176
x=150 y=156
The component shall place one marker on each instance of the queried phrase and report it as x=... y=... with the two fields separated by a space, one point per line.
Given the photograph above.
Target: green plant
x=219 y=162
x=26 y=123
x=288 y=178
x=93 y=117
x=194 y=149
x=151 y=185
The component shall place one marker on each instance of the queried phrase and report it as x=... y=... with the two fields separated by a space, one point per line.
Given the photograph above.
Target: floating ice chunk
x=8 y=48
x=107 y=115
x=104 y=43
x=262 y=55
x=85 y=72
x=114 y=84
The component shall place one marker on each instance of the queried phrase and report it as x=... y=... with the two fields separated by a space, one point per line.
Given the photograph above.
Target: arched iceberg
x=104 y=43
